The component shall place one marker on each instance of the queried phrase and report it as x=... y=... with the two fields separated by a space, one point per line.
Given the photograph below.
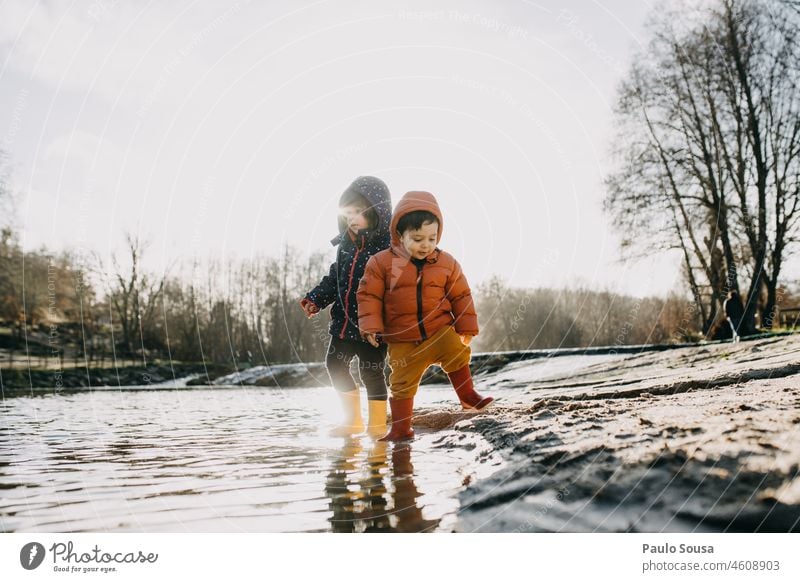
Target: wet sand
x=700 y=439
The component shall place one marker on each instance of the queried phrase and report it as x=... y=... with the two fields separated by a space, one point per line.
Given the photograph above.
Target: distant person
x=365 y=212
x=734 y=312
x=416 y=298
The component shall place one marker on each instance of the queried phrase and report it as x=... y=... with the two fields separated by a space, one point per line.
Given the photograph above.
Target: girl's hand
x=372 y=339
x=465 y=339
x=309 y=307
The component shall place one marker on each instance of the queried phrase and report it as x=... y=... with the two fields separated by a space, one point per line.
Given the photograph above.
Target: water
x=226 y=459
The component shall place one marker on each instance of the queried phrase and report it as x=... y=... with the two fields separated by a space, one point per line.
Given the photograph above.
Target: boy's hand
x=309 y=307
x=372 y=339
x=465 y=339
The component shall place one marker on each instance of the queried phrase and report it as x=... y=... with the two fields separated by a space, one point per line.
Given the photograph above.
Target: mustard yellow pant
x=409 y=360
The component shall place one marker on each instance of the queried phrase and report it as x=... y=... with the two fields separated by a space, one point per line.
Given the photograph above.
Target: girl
x=365 y=212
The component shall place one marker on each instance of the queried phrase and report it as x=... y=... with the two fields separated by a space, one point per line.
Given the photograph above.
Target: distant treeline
x=246 y=312
x=516 y=319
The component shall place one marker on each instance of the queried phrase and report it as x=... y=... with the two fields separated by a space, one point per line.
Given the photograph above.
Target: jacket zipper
x=419 y=303
x=349 y=285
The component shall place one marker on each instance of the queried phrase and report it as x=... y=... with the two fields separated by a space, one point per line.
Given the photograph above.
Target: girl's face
x=420 y=243
x=354 y=215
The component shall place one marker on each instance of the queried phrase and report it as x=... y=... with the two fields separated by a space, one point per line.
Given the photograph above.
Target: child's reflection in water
x=360 y=498
x=356 y=489
x=407 y=513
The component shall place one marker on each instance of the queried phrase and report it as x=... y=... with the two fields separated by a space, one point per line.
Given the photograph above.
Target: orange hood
x=411 y=201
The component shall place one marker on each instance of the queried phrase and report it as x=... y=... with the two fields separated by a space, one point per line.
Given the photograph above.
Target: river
x=222 y=459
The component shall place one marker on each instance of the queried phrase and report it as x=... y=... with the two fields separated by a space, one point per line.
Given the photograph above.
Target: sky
x=230 y=128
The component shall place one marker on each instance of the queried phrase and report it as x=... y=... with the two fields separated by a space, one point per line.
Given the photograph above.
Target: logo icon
x=31 y=555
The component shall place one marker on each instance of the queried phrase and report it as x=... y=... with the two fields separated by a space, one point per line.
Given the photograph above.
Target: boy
x=416 y=297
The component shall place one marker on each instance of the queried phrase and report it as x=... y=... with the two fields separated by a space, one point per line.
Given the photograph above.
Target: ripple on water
x=217 y=460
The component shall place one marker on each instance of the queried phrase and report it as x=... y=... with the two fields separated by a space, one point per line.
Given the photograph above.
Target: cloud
x=497 y=107
x=84 y=147
x=116 y=51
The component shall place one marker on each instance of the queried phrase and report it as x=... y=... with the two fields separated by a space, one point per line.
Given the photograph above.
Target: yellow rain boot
x=377 y=418
x=351 y=405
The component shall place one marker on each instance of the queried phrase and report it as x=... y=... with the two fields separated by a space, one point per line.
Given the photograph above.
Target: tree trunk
x=769 y=312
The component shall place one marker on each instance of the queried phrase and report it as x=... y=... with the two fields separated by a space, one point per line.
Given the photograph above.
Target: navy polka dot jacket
x=338 y=288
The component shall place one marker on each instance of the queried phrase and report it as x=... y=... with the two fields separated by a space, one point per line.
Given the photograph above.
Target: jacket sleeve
x=325 y=292
x=460 y=296
x=370 y=294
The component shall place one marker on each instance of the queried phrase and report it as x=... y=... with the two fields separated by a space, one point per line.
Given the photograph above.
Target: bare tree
x=135 y=296
x=709 y=129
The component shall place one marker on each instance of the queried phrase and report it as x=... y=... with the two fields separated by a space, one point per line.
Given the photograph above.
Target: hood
x=411 y=201
x=376 y=193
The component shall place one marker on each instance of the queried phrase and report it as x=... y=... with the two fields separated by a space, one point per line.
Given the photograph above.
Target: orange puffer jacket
x=403 y=302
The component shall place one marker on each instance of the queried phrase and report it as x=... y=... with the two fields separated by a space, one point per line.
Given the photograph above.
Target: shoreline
x=186 y=375
x=22 y=381
x=695 y=439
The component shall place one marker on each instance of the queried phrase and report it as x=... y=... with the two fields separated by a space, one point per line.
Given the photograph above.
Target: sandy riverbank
x=694 y=439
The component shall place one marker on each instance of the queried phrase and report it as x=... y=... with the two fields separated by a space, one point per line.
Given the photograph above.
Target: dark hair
x=353 y=198
x=414 y=220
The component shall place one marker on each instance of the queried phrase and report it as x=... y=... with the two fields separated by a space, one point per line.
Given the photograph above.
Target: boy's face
x=354 y=215
x=420 y=243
